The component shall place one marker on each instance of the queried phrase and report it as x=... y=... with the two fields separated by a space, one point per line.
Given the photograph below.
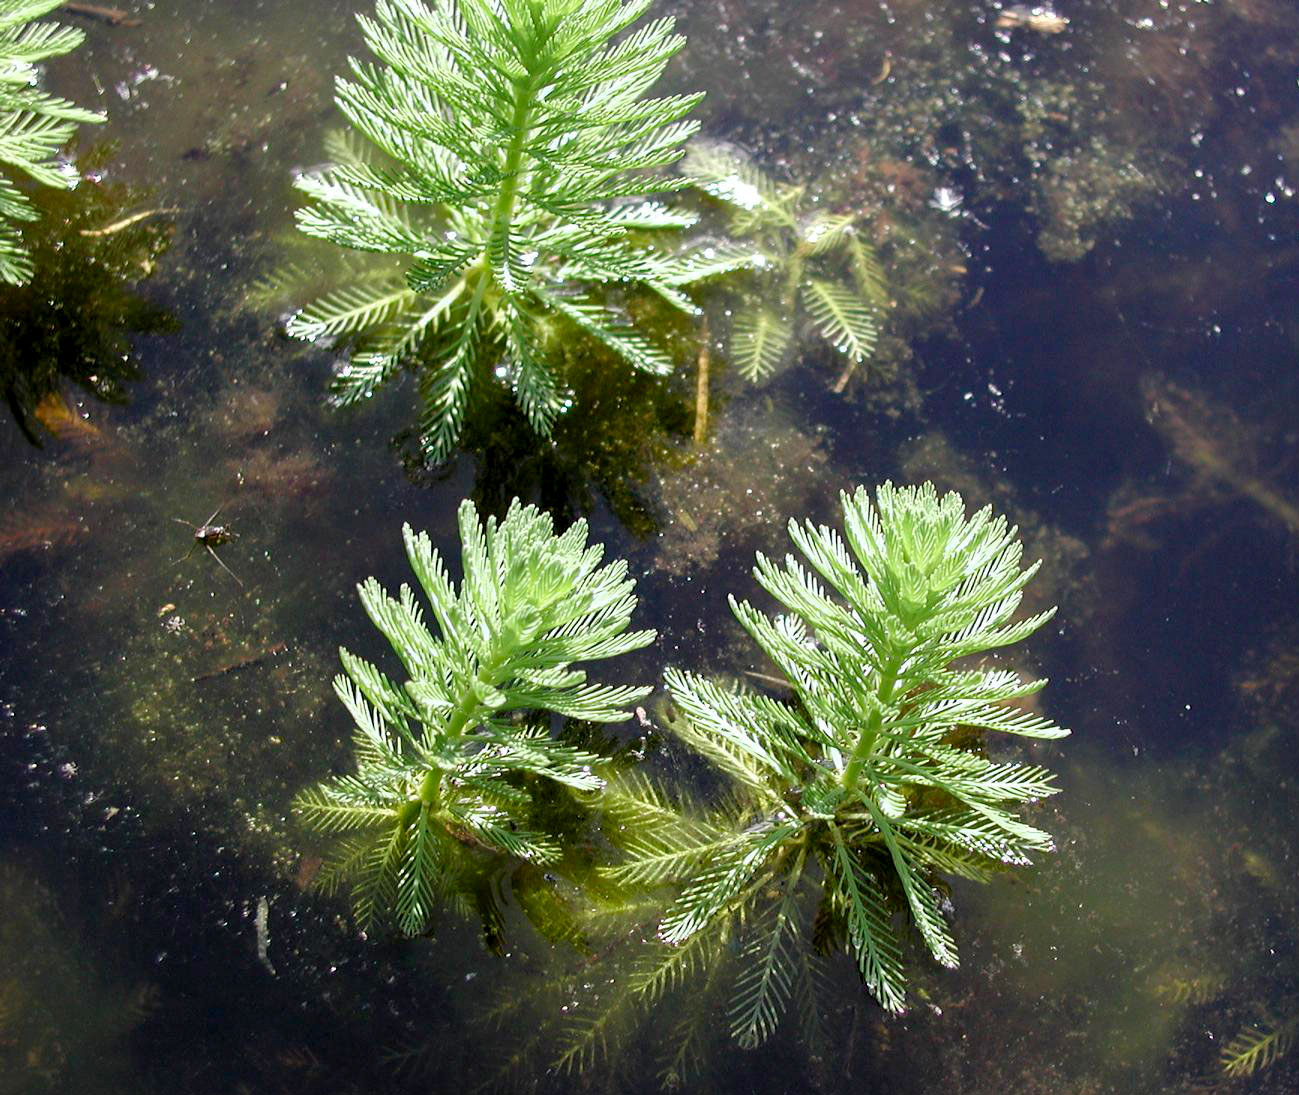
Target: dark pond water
x=1092 y=244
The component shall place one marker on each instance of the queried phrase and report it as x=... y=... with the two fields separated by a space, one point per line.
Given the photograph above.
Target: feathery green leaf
x=510 y=148
x=1256 y=1048
x=858 y=772
x=442 y=769
x=34 y=125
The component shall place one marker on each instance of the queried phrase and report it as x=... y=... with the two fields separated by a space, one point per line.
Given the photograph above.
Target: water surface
x=1091 y=241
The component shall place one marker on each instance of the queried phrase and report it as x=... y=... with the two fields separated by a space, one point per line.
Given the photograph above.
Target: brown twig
x=242 y=663
x=766 y=678
x=126 y=222
x=701 y=386
x=842 y=382
x=114 y=17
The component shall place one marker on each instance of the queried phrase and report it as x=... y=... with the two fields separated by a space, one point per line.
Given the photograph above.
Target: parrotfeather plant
x=34 y=125
x=520 y=151
x=813 y=262
x=1260 y=1046
x=857 y=794
x=445 y=768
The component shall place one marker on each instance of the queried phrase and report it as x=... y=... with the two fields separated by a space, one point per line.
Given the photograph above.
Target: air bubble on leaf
x=739 y=192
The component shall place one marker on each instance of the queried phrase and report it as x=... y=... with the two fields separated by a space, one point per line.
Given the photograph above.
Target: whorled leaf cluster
x=859 y=792
x=445 y=763
x=848 y=800
x=814 y=263
x=516 y=156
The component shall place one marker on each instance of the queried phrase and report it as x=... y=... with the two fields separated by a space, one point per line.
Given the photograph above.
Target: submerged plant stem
x=701 y=386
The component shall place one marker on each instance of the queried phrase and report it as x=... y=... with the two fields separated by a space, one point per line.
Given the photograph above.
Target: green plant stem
x=866 y=743
x=797 y=872
x=789 y=295
x=503 y=212
x=430 y=787
x=409 y=812
x=456 y=723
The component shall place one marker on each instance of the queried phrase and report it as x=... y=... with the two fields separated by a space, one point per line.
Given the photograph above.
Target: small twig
x=840 y=384
x=261 y=925
x=766 y=678
x=242 y=663
x=126 y=222
x=701 y=387
x=114 y=17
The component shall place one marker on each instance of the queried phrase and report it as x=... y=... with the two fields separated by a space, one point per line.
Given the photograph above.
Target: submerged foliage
x=870 y=784
x=519 y=149
x=34 y=125
x=447 y=768
x=811 y=259
x=1261 y=1046
x=73 y=322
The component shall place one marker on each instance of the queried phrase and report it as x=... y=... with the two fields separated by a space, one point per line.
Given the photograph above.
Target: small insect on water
x=209 y=536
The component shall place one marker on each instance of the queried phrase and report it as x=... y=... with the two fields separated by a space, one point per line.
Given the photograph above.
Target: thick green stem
x=871 y=731
x=429 y=789
x=461 y=714
x=503 y=210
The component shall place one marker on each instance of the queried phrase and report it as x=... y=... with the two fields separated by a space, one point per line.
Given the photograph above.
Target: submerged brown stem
x=242 y=663
x=845 y=376
x=126 y=222
x=701 y=386
x=114 y=17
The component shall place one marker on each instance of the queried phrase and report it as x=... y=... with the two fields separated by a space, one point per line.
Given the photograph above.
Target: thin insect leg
x=222 y=565
x=187 y=554
x=214 y=515
x=182 y=521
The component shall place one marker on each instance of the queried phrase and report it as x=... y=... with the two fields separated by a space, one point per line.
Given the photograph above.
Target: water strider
x=210 y=536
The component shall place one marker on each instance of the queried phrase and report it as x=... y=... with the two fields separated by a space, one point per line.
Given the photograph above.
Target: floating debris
x=260 y=924
x=1040 y=18
x=243 y=663
x=126 y=222
x=114 y=17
